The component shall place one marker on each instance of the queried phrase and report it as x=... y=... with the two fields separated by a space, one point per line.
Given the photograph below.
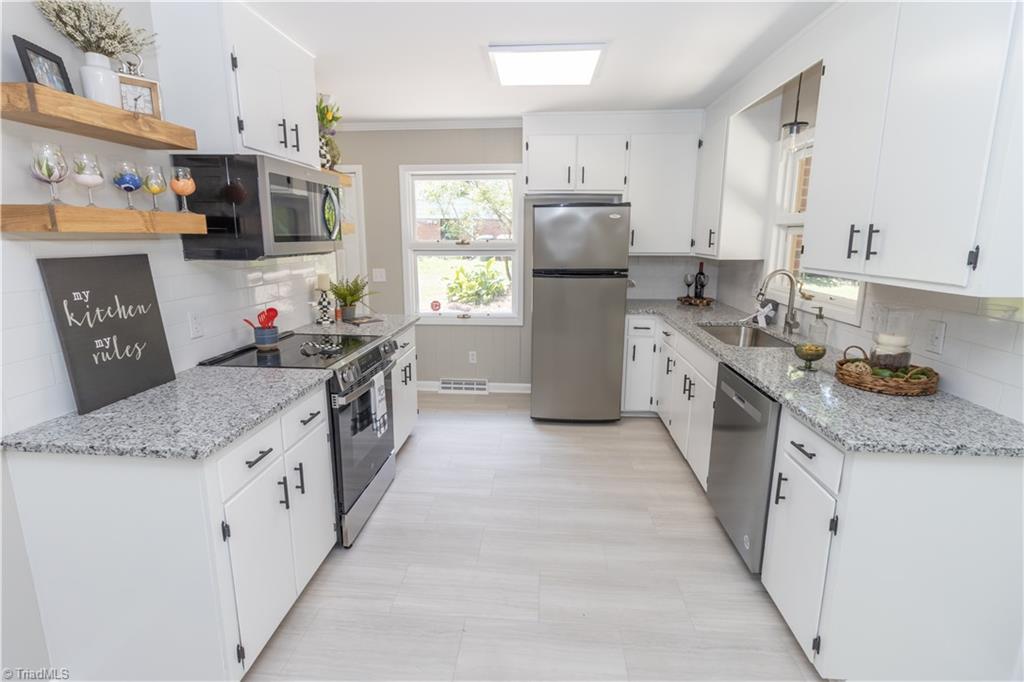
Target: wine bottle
x=699 y=282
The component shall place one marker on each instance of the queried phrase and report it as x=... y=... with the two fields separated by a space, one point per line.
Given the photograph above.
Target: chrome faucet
x=790 y=325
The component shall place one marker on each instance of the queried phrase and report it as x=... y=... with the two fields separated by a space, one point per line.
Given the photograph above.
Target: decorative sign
x=435 y=305
x=108 y=319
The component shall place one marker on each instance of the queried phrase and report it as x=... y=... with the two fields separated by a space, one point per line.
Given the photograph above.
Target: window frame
x=785 y=221
x=412 y=247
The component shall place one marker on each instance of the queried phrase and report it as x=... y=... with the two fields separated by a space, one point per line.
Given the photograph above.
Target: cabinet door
x=259 y=50
x=640 y=361
x=663 y=383
x=313 y=506
x=662 y=183
x=946 y=79
x=710 y=177
x=847 y=138
x=679 y=406
x=601 y=162
x=404 y=397
x=551 y=162
x=701 y=397
x=260 y=547
x=298 y=92
x=796 y=547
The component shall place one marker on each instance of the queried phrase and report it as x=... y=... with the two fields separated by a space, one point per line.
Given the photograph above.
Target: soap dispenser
x=817 y=330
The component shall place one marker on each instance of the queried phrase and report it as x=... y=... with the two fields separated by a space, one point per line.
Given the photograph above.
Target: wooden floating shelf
x=48 y=108
x=44 y=219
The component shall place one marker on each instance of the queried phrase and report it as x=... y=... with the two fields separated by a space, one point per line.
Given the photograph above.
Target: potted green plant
x=349 y=292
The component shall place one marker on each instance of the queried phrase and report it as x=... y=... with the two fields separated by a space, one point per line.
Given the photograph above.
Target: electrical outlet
x=195 y=326
x=936 y=336
x=472 y=357
x=380 y=275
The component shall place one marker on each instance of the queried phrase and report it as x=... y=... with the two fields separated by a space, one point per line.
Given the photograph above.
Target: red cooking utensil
x=249 y=322
x=271 y=316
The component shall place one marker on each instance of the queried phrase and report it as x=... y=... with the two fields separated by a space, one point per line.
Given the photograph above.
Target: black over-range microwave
x=259 y=207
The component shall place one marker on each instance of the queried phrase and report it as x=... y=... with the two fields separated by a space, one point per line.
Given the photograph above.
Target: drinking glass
x=183 y=185
x=688 y=280
x=49 y=165
x=154 y=183
x=86 y=172
x=126 y=178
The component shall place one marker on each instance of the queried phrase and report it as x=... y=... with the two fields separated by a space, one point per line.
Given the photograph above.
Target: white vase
x=99 y=81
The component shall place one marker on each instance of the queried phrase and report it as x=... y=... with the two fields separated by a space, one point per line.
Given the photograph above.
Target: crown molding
x=430 y=124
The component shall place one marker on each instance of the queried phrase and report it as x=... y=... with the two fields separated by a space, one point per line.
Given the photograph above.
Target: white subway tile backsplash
x=983 y=331
x=36 y=386
x=996 y=364
x=1012 y=402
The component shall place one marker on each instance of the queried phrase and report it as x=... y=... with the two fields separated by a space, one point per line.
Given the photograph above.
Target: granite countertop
x=854 y=420
x=388 y=326
x=192 y=417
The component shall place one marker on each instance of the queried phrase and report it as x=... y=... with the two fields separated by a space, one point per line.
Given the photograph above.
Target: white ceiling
x=417 y=61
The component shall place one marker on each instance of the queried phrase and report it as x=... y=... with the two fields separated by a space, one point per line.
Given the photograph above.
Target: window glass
x=463 y=209
x=459 y=285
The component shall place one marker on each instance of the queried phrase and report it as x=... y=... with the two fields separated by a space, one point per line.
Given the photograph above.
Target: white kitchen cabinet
x=663 y=404
x=311 y=497
x=550 y=163
x=679 y=406
x=700 y=395
x=710 y=177
x=260 y=547
x=871 y=212
x=847 y=136
x=662 y=185
x=404 y=396
x=238 y=81
x=797 y=542
x=601 y=162
x=638 y=364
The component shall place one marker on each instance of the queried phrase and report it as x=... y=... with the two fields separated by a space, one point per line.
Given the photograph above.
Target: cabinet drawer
x=640 y=326
x=406 y=339
x=250 y=456
x=815 y=454
x=703 y=361
x=304 y=417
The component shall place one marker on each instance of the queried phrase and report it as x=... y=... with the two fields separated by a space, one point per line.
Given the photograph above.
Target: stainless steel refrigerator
x=580 y=273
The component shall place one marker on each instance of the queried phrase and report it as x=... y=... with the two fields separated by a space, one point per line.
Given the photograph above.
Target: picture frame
x=140 y=95
x=42 y=66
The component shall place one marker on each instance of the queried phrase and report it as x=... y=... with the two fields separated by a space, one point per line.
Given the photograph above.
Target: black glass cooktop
x=300 y=351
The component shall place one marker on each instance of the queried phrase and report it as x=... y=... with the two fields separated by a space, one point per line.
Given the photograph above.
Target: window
x=462 y=236
x=841 y=299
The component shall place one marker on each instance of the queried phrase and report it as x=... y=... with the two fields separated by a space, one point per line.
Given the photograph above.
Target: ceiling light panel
x=546 y=64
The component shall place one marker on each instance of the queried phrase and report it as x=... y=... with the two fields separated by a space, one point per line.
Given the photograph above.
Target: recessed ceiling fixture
x=546 y=64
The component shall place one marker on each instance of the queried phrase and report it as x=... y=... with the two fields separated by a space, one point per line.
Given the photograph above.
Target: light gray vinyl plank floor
x=509 y=549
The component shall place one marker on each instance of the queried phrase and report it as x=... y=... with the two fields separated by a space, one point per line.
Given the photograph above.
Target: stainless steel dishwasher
x=742 y=457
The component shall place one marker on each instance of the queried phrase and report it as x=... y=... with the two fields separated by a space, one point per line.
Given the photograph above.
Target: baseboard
x=492 y=387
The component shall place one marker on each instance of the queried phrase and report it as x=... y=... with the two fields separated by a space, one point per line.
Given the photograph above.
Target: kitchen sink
x=745 y=337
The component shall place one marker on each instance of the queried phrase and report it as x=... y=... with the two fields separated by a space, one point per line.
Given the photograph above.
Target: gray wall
x=502 y=352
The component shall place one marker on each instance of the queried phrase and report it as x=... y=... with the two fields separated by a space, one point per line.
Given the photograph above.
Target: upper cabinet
x=253 y=90
x=906 y=140
x=647 y=158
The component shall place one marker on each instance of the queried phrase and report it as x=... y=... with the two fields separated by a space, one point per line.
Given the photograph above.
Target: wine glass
x=49 y=165
x=126 y=178
x=86 y=172
x=183 y=185
x=153 y=181
x=688 y=280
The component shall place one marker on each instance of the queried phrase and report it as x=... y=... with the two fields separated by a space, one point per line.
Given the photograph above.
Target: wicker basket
x=891 y=386
x=699 y=302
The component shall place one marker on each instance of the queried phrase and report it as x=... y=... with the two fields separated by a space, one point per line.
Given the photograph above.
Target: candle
x=323 y=281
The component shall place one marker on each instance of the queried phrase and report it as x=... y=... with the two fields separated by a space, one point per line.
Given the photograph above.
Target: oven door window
x=302 y=211
x=361 y=452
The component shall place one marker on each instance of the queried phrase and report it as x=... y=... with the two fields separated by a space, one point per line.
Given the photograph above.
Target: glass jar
x=894 y=330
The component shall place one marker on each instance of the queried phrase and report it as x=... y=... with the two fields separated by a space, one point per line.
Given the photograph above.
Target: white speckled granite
x=197 y=414
x=856 y=421
x=388 y=326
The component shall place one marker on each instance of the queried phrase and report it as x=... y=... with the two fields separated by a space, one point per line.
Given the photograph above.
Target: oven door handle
x=349 y=398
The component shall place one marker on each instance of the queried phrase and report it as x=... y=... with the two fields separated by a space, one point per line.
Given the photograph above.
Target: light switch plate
x=195 y=326
x=936 y=336
x=380 y=275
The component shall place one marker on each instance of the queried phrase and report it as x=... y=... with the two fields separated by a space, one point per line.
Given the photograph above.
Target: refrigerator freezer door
x=578 y=336
x=581 y=237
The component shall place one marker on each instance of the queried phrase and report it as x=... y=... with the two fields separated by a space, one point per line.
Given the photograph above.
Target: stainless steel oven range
x=361 y=402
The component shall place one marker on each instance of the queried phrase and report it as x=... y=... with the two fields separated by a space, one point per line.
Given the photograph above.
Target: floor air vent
x=463 y=386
